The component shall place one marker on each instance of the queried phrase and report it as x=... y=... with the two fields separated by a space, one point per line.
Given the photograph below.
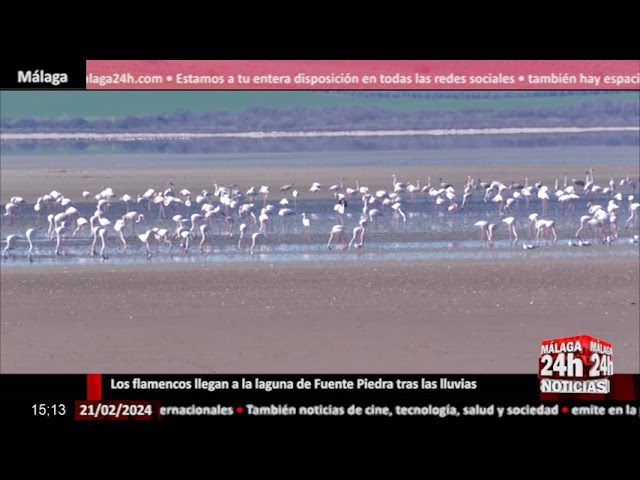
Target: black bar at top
x=49 y=74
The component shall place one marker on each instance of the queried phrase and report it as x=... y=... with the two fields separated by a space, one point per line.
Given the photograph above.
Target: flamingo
x=50 y=218
x=543 y=194
x=81 y=222
x=204 y=228
x=119 y=228
x=29 y=234
x=126 y=198
x=254 y=239
x=144 y=238
x=134 y=217
x=398 y=213
x=634 y=215
x=374 y=214
x=186 y=238
x=533 y=218
x=243 y=229
x=340 y=186
x=338 y=232
x=264 y=190
x=11 y=239
x=513 y=236
x=483 y=224
x=60 y=233
x=584 y=219
x=284 y=213
x=359 y=231
x=264 y=220
x=195 y=218
x=162 y=234
x=491 y=229
x=251 y=193
x=339 y=208
x=94 y=235
x=306 y=223
x=10 y=208
x=543 y=227
x=286 y=188
x=102 y=233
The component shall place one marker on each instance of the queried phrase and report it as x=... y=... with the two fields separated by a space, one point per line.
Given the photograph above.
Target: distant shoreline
x=307 y=134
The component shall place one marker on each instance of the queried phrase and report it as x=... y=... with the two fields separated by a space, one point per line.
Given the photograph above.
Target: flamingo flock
x=178 y=218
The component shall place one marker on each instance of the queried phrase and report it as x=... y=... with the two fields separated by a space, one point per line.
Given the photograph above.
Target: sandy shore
x=436 y=317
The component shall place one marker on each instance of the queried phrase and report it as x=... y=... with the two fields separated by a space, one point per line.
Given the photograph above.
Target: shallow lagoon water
x=429 y=233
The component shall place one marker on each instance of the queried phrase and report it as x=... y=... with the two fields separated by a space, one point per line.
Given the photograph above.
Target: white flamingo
x=513 y=235
x=255 y=238
x=11 y=240
x=634 y=215
x=29 y=234
x=491 y=230
x=186 y=240
x=483 y=224
x=80 y=223
x=306 y=223
x=338 y=232
x=359 y=231
x=61 y=231
x=102 y=233
x=133 y=217
x=584 y=219
x=204 y=228
x=144 y=238
x=162 y=235
x=243 y=229
x=398 y=213
x=119 y=228
x=543 y=227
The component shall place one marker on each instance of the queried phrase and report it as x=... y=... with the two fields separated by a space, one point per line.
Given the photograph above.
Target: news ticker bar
x=245 y=387
x=85 y=410
x=98 y=396
x=323 y=75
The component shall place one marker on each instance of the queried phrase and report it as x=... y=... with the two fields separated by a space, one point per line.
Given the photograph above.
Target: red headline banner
x=363 y=74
